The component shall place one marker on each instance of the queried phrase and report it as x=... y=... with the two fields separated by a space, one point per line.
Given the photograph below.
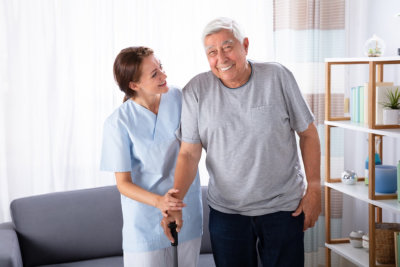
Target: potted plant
x=391 y=107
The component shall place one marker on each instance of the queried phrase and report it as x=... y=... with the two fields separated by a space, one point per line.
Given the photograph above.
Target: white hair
x=222 y=23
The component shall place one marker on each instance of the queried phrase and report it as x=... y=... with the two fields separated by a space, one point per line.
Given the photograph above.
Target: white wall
x=368 y=17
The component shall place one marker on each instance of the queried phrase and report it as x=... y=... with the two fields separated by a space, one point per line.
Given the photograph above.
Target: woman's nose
x=163 y=74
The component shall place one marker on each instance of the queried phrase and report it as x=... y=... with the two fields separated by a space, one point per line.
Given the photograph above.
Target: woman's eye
x=154 y=75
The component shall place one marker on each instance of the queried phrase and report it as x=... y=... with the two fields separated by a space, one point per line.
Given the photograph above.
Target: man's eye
x=227 y=48
x=212 y=53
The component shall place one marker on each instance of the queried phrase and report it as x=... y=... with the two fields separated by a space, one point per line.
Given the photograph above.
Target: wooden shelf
x=361 y=127
x=360 y=191
x=358 y=256
x=376 y=202
x=364 y=60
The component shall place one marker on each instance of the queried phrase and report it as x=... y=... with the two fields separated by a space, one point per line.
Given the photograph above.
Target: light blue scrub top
x=143 y=143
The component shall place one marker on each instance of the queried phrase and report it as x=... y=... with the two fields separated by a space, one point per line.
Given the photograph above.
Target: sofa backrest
x=76 y=225
x=69 y=226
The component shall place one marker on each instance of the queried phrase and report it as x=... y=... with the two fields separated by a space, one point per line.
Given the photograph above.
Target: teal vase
x=377 y=162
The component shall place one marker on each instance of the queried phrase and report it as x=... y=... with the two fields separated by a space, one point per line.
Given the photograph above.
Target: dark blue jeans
x=234 y=237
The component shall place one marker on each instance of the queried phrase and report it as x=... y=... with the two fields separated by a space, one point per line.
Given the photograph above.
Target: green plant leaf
x=393 y=99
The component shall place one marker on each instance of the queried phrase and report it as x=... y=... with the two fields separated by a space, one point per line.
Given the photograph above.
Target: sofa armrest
x=10 y=253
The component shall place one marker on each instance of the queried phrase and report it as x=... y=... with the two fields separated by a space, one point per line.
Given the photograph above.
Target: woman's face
x=153 y=80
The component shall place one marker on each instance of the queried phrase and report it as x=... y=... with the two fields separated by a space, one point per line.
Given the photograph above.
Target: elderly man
x=245 y=115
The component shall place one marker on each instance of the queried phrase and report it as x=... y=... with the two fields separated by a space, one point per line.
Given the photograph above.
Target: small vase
x=390 y=116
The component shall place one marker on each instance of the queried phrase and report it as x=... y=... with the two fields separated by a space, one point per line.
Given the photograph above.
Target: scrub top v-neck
x=151 y=118
x=138 y=141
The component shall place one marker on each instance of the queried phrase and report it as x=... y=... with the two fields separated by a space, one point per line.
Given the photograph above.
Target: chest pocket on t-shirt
x=264 y=118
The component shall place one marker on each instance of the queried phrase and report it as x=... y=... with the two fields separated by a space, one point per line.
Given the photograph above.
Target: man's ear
x=133 y=86
x=246 y=44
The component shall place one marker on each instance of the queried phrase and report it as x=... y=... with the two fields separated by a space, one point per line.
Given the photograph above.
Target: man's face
x=227 y=58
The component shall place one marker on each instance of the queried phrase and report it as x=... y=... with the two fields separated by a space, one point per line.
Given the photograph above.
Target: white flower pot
x=390 y=116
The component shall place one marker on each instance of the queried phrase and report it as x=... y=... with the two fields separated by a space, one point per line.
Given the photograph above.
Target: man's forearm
x=185 y=171
x=311 y=160
x=311 y=153
x=310 y=204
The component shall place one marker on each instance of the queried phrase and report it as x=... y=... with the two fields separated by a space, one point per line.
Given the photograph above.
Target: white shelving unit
x=376 y=202
x=358 y=256
x=361 y=127
x=360 y=191
x=351 y=60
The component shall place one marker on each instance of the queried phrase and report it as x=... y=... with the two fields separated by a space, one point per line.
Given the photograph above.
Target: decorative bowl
x=349 y=177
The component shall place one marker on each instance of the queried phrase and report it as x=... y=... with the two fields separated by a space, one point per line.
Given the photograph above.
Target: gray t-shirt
x=248 y=134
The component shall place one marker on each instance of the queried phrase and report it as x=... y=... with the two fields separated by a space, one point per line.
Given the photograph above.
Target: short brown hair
x=127 y=68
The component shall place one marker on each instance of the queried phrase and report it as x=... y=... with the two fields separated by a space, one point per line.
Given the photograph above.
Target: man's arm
x=186 y=167
x=311 y=153
x=185 y=172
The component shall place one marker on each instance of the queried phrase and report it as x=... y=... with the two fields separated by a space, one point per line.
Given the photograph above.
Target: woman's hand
x=169 y=203
x=167 y=231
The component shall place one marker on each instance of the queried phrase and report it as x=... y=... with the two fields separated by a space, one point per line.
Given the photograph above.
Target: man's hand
x=169 y=203
x=174 y=216
x=310 y=205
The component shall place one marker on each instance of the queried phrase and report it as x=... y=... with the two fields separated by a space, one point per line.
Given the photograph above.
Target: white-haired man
x=245 y=115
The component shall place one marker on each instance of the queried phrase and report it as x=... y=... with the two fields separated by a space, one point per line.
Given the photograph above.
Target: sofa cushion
x=69 y=226
x=105 y=262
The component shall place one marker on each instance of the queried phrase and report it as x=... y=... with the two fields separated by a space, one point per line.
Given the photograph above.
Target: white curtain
x=56 y=82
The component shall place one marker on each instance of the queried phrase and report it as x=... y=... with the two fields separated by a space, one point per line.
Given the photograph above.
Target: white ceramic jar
x=356 y=238
x=365 y=241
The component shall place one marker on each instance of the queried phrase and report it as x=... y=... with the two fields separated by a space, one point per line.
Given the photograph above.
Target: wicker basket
x=384 y=239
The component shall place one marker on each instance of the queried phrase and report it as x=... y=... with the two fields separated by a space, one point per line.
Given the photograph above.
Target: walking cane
x=172 y=227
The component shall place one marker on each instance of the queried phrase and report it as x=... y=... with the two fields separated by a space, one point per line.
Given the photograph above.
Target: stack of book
x=359 y=103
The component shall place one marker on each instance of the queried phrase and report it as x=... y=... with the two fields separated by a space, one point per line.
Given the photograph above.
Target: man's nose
x=221 y=57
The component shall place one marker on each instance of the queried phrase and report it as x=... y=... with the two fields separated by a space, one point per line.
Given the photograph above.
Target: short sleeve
x=300 y=114
x=189 y=129
x=178 y=133
x=115 y=154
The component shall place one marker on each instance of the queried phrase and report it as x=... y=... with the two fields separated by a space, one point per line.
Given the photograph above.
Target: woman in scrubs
x=140 y=147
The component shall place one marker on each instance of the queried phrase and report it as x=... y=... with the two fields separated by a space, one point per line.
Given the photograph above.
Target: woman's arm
x=163 y=203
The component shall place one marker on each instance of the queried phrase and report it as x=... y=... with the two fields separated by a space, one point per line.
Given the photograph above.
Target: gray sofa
x=78 y=228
